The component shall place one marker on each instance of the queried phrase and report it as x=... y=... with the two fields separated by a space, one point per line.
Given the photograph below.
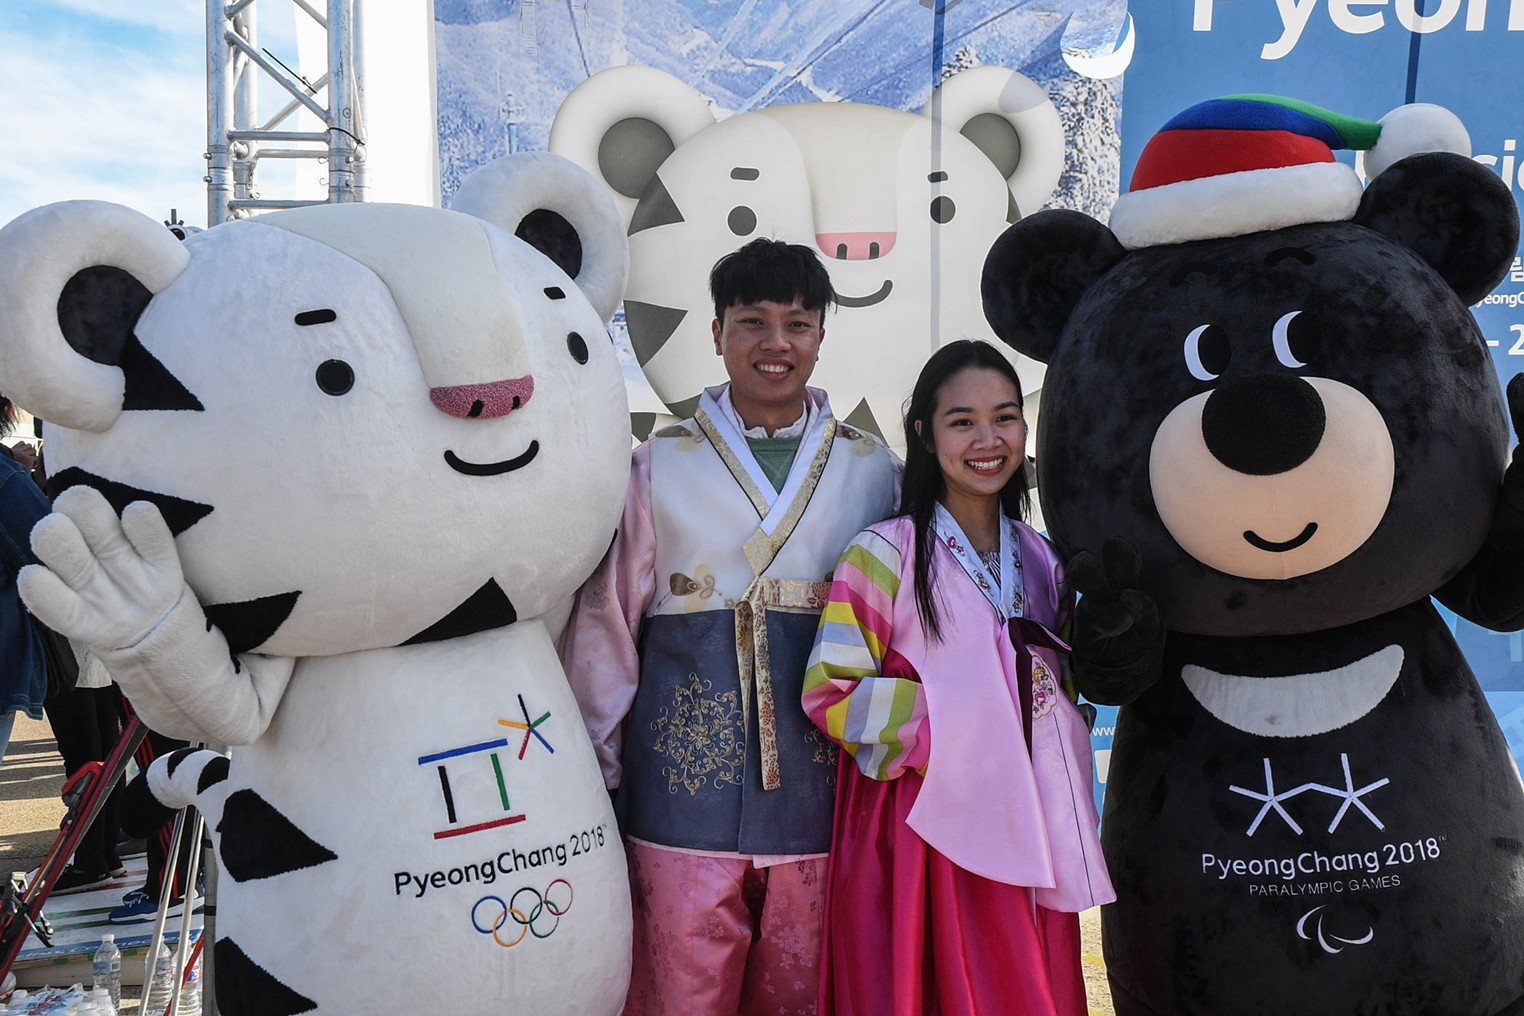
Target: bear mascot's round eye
x=1206 y=352
x=1297 y=340
x=577 y=346
x=335 y=377
x=943 y=209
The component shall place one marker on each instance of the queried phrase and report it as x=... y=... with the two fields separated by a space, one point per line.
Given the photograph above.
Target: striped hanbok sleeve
x=880 y=720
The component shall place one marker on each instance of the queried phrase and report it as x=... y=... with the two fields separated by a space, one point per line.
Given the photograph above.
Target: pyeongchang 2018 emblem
x=528 y=912
x=490 y=751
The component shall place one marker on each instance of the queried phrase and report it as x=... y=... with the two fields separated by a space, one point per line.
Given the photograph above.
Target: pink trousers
x=718 y=936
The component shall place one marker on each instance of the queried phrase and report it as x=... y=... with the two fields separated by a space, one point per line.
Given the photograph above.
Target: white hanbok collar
x=795 y=429
x=724 y=430
x=1004 y=591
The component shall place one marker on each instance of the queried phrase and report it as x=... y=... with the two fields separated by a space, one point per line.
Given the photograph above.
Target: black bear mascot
x=1271 y=430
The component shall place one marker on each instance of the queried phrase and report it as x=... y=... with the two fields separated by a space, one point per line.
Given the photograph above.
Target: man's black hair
x=772 y=270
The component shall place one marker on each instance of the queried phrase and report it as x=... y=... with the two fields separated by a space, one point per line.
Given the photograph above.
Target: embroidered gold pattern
x=826 y=751
x=701 y=585
x=682 y=585
x=699 y=737
x=690 y=440
x=794 y=593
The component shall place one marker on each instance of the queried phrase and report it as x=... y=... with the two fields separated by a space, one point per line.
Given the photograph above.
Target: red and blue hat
x=1246 y=163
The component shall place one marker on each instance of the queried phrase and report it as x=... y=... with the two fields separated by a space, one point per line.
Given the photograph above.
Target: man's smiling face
x=770 y=351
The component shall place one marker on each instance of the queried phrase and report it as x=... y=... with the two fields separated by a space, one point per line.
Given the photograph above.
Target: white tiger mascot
x=902 y=208
x=357 y=452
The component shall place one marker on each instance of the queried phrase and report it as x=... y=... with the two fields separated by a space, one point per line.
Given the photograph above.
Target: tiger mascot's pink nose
x=494 y=398
x=855 y=246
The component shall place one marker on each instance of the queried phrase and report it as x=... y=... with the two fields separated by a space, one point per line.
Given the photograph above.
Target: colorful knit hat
x=1246 y=163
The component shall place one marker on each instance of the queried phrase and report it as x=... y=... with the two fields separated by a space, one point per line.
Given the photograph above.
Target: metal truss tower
x=237 y=142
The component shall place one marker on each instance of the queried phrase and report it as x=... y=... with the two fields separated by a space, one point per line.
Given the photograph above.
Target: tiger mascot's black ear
x=560 y=210
x=74 y=278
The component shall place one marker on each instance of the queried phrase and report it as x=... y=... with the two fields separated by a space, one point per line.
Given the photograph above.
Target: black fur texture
x=1373 y=865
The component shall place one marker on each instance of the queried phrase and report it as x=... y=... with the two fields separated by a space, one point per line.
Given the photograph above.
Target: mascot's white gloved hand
x=105 y=583
x=116 y=586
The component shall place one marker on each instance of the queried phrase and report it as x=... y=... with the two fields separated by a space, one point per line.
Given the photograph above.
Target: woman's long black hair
x=923 y=485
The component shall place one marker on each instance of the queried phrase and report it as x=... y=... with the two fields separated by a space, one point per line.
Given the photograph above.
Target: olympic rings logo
x=528 y=916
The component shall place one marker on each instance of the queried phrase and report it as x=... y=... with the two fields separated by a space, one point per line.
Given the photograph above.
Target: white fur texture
x=375 y=788
x=503 y=190
x=1236 y=203
x=287 y=498
x=1411 y=129
x=40 y=252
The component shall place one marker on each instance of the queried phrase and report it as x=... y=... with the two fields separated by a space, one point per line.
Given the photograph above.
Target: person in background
x=686 y=651
x=965 y=831
x=144 y=818
x=25 y=454
x=23 y=670
x=86 y=722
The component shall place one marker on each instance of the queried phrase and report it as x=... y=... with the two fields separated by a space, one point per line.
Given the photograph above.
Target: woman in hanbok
x=965 y=830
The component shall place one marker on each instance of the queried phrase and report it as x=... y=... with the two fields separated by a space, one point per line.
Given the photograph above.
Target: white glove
x=103 y=582
x=117 y=587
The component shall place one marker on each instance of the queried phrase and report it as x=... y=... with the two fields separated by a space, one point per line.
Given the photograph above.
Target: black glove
x=1118 y=636
x=1513 y=476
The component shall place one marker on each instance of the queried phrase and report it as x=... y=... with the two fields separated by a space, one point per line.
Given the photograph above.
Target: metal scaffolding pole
x=235 y=64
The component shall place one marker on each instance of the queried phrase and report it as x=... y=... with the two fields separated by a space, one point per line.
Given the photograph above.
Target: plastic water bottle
x=190 y=991
x=162 y=985
x=108 y=971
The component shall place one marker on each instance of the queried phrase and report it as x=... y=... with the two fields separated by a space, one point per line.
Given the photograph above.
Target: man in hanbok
x=687 y=651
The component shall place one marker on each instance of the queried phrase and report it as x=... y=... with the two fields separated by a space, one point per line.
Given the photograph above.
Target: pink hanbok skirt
x=909 y=933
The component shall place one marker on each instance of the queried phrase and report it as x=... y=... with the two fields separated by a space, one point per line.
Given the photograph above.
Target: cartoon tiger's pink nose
x=855 y=246
x=495 y=398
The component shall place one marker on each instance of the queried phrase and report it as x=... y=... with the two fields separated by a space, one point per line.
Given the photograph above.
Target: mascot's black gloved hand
x=1513 y=476
x=1118 y=637
x=1489 y=590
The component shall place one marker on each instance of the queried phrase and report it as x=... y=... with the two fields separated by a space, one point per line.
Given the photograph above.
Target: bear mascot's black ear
x=1454 y=213
x=1036 y=273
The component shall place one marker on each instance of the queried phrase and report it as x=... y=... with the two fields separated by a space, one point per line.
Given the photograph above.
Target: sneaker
x=131 y=847
x=139 y=908
x=77 y=880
